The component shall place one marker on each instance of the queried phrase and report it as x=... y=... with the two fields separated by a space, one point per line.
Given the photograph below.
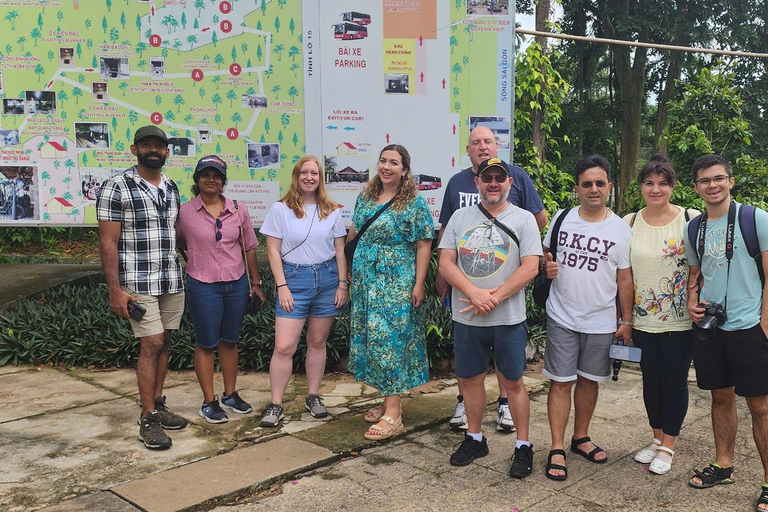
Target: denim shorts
x=313 y=288
x=472 y=345
x=217 y=310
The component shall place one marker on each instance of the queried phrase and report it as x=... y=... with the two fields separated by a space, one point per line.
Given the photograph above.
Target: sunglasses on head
x=487 y=178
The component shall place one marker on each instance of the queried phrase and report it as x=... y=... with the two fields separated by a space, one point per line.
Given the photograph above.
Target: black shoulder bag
x=351 y=246
x=541 y=284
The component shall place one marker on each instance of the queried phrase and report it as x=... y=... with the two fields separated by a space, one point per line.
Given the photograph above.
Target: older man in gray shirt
x=489 y=253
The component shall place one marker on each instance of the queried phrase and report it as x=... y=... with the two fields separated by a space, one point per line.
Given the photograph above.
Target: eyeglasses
x=590 y=184
x=718 y=180
x=499 y=178
x=218 y=227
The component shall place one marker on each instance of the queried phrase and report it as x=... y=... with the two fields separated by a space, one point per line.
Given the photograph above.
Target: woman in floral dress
x=662 y=326
x=387 y=342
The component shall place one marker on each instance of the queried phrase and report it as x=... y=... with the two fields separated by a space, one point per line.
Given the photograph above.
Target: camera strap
x=729 y=235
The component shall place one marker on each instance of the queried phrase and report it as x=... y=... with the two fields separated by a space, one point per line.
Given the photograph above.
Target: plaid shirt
x=148 y=263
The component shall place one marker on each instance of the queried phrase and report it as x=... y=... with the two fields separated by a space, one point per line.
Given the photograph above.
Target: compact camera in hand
x=714 y=315
x=620 y=352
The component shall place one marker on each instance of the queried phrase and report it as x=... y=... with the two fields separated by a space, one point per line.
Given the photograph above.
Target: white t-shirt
x=282 y=223
x=155 y=188
x=583 y=295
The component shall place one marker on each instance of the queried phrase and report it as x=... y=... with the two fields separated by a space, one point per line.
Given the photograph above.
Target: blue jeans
x=313 y=287
x=217 y=310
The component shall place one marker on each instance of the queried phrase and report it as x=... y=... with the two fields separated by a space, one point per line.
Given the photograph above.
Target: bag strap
x=499 y=224
x=242 y=246
x=556 y=232
x=748 y=226
x=374 y=217
x=632 y=220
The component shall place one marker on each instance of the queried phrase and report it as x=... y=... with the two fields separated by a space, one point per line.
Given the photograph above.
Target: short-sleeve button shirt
x=148 y=263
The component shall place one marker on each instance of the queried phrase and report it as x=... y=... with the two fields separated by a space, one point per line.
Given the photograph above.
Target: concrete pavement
x=68 y=442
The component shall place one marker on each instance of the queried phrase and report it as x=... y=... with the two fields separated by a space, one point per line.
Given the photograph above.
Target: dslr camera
x=714 y=315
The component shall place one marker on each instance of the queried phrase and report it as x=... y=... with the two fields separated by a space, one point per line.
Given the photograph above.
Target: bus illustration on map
x=425 y=182
x=347 y=31
x=357 y=17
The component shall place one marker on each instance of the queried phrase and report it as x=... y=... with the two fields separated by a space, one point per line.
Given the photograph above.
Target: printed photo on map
x=182 y=146
x=157 y=66
x=13 y=107
x=347 y=170
x=263 y=155
x=67 y=57
x=396 y=83
x=91 y=180
x=18 y=192
x=100 y=92
x=9 y=138
x=204 y=133
x=41 y=102
x=254 y=101
x=114 y=68
x=488 y=7
x=92 y=135
x=499 y=125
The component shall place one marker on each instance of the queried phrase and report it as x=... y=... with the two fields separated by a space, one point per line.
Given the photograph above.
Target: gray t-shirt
x=488 y=257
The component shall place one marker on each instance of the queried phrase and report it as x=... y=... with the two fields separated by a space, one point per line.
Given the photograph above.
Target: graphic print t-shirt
x=488 y=257
x=583 y=296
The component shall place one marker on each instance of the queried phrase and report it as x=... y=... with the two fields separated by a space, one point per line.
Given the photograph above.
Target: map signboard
x=258 y=82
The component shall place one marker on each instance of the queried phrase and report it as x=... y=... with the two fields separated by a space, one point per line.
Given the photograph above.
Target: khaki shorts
x=164 y=312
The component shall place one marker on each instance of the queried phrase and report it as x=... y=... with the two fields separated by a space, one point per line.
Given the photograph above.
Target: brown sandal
x=374 y=415
x=393 y=427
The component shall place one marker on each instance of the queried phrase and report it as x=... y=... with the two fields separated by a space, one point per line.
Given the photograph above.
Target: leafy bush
x=73 y=325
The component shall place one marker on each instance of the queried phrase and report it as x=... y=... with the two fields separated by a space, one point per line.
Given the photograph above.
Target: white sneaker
x=459 y=420
x=504 y=421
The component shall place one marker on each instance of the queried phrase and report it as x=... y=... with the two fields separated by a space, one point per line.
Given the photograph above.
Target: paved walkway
x=68 y=442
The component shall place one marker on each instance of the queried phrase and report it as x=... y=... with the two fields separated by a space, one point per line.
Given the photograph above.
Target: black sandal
x=558 y=478
x=711 y=476
x=763 y=499
x=589 y=456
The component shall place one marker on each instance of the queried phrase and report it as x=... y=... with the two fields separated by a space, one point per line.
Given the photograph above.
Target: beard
x=151 y=164
x=502 y=198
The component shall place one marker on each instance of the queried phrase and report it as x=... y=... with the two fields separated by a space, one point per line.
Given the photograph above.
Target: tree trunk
x=631 y=75
x=670 y=87
x=537 y=116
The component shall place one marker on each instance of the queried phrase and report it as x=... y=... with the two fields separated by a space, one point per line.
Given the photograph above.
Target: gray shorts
x=571 y=353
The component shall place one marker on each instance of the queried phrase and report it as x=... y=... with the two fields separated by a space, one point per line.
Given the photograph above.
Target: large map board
x=258 y=82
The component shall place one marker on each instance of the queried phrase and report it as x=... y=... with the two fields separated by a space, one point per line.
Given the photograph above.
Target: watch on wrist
x=625 y=322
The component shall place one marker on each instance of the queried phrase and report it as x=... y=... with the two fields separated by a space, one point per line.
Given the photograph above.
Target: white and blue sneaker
x=212 y=413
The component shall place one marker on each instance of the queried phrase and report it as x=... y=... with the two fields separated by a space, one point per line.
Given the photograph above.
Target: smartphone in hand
x=136 y=310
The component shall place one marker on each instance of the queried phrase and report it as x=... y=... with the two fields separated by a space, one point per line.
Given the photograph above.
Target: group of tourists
x=677 y=284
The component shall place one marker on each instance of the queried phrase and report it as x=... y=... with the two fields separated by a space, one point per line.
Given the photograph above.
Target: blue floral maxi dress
x=387 y=347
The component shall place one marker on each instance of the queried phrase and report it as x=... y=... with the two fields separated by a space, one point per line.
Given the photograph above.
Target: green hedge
x=73 y=325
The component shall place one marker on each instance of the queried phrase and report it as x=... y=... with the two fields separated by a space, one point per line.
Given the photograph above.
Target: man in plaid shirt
x=137 y=214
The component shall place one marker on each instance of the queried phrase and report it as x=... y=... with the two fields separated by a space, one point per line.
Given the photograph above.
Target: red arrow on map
x=421 y=41
x=443 y=83
x=454 y=129
x=422 y=76
x=453 y=162
x=387 y=138
x=153 y=10
x=88 y=69
x=206 y=29
x=49 y=84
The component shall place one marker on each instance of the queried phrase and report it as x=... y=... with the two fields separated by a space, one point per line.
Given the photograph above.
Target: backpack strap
x=748 y=226
x=556 y=232
x=693 y=235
